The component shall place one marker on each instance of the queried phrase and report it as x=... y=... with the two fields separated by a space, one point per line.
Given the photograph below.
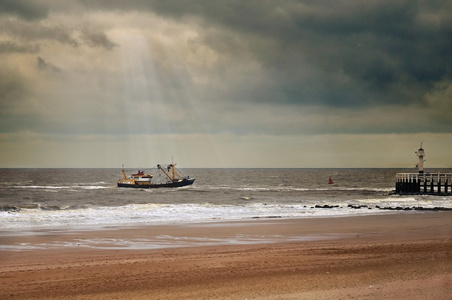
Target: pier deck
x=420 y=183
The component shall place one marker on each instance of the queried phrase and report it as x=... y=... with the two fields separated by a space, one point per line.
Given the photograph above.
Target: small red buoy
x=330 y=180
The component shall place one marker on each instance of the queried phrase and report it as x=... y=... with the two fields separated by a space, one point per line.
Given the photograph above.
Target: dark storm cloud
x=335 y=56
x=12 y=47
x=35 y=32
x=338 y=53
x=64 y=34
x=97 y=39
x=43 y=65
x=362 y=54
x=25 y=9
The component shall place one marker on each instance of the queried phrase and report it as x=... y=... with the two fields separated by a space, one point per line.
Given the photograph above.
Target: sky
x=276 y=84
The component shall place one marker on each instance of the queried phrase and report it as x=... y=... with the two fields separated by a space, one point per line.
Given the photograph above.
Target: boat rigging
x=171 y=178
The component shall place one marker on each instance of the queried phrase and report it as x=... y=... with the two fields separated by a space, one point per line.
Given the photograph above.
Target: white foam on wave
x=92 y=187
x=427 y=202
x=31 y=216
x=299 y=189
x=61 y=187
x=40 y=187
x=142 y=214
x=388 y=200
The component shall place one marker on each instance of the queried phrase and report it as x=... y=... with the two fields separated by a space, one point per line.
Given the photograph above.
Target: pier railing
x=428 y=183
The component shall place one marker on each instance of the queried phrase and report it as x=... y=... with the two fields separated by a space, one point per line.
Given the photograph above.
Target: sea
x=40 y=198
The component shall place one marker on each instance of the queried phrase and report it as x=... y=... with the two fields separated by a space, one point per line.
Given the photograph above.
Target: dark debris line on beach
x=387 y=207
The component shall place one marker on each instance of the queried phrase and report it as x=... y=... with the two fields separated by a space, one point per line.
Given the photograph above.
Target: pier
x=423 y=183
x=433 y=184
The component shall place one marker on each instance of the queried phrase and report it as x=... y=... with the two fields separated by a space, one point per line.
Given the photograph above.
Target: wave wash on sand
x=392 y=256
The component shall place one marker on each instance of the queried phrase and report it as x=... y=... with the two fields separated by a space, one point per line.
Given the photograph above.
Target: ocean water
x=89 y=198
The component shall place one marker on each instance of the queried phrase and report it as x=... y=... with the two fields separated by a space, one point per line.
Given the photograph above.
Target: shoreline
x=391 y=256
x=197 y=234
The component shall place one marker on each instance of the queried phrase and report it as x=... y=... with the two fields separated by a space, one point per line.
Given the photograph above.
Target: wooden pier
x=423 y=183
x=420 y=183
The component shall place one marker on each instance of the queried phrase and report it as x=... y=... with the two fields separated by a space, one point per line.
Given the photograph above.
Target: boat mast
x=172 y=171
x=172 y=168
x=164 y=172
x=123 y=173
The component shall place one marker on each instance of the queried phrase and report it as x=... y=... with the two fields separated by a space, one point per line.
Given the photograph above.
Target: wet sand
x=394 y=256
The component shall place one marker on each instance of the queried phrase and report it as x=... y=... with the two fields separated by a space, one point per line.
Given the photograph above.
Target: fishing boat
x=164 y=177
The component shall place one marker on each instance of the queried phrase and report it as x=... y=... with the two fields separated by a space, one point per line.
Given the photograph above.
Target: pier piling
x=414 y=183
x=423 y=183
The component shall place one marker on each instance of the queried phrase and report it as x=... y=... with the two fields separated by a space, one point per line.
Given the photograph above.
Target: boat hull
x=176 y=184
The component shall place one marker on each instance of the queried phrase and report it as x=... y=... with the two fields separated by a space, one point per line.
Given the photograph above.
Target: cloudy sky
x=334 y=83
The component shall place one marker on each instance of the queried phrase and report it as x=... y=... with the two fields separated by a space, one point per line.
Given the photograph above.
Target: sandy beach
x=393 y=256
